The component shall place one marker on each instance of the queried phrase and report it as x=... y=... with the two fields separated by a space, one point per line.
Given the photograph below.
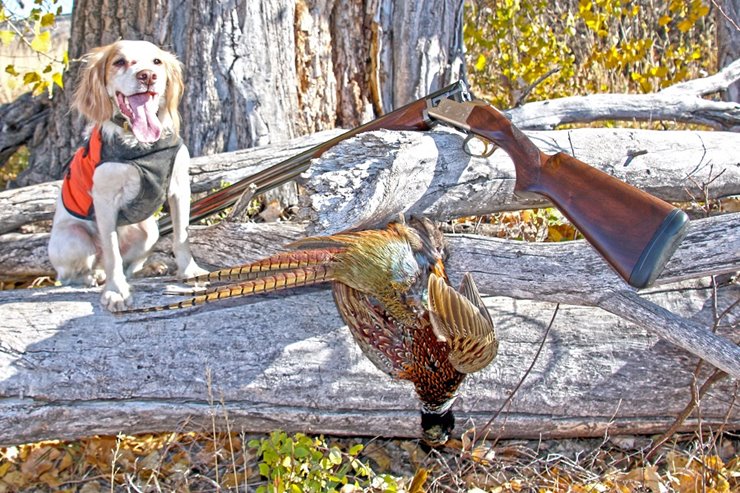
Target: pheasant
x=391 y=290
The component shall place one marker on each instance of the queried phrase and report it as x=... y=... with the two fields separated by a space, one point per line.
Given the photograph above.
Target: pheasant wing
x=461 y=319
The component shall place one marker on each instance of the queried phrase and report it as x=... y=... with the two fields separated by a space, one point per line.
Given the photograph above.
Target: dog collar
x=121 y=121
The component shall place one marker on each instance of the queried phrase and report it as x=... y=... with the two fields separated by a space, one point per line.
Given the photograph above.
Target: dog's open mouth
x=141 y=112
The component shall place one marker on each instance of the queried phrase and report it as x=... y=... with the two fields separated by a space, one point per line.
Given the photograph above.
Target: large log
x=70 y=369
x=448 y=182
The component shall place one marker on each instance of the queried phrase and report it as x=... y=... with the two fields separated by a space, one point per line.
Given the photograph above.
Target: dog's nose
x=146 y=76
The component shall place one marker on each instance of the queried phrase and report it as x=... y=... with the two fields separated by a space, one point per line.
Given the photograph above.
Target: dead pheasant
x=391 y=289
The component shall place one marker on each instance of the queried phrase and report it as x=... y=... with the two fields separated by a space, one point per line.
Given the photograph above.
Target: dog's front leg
x=179 y=202
x=114 y=184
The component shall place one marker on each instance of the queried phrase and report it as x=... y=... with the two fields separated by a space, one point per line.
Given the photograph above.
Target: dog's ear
x=175 y=88
x=91 y=98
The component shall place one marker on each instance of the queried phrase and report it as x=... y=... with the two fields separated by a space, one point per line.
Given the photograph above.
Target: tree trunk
x=270 y=70
x=727 y=14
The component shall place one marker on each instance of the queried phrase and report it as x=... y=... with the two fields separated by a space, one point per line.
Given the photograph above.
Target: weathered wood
x=20 y=120
x=70 y=369
x=374 y=177
x=681 y=102
x=447 y=182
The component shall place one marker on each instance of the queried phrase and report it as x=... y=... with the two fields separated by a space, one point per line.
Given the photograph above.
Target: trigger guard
x=489 y=145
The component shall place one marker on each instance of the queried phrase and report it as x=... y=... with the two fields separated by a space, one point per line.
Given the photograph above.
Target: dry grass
x=207 y=462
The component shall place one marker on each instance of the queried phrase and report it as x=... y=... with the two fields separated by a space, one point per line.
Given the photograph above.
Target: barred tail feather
x=302 y=276
x=262 y=268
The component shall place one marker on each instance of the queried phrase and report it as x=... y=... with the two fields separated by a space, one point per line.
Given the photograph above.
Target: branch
x=682 y=102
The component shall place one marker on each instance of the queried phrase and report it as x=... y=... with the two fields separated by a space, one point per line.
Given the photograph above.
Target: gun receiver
x=635 y=232
x=409 y=117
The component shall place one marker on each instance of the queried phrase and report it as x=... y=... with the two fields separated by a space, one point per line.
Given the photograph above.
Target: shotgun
x=635 y=232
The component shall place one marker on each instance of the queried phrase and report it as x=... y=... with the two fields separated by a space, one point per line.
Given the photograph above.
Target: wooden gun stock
x=635 y=232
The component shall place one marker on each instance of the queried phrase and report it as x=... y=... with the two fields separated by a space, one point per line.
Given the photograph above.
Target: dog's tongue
x=143 y=117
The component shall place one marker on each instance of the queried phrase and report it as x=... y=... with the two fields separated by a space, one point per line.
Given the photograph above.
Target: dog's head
x=133 y=79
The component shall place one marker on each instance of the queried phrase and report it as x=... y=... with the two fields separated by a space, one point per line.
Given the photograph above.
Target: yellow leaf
x=480 y=64
x=58 y=79
x=42 y=42
x=685 y=25
x=47 y=20
x=664 y=20
x=7 y=37
x=417 y=484
x=31 y=77
x=10 y=69
x=4 y=467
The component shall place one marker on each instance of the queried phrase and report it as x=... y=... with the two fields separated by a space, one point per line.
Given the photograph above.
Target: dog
x=128 y=92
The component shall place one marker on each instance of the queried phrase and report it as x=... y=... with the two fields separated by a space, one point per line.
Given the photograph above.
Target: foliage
x=34 y=32
x=539 y=49
x=15 y=164
x=197 y=462
x=302 y=463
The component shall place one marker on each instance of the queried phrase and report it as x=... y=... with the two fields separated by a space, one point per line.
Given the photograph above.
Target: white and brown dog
x=134 y=159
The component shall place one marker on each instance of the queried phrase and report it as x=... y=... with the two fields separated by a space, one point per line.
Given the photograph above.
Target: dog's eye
x=157 y=61
x=120 y=62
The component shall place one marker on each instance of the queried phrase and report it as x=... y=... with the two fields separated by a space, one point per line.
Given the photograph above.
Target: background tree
x=728 y=40
x=266 y=71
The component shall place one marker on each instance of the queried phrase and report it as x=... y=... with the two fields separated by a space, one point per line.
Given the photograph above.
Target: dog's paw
x=116 y=300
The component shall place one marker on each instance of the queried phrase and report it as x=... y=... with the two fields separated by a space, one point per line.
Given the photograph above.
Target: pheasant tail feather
x=277 y=281
x=279 y=262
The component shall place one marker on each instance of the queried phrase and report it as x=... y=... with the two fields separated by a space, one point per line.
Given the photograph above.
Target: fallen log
x=436 y=176
x=70 y=369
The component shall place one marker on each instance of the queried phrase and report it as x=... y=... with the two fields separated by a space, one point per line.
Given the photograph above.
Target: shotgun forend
x=635 y=232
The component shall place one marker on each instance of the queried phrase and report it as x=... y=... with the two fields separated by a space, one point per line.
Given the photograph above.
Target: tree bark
x=727 y=15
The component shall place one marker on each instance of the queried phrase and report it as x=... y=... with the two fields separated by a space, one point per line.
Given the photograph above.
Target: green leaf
x=356 y=449
x=42 y=42
x=335 y=456
x=301 y=452
x=264 y=470
x=7 y=37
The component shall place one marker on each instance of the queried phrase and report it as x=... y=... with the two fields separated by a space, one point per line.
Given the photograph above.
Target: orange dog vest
x=153 y=162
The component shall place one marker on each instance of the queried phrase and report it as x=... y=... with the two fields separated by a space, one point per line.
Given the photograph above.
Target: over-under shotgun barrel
x=409 y=117
x=634 y=231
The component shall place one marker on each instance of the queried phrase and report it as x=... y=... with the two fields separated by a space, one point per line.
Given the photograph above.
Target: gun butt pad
x=660 y=249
